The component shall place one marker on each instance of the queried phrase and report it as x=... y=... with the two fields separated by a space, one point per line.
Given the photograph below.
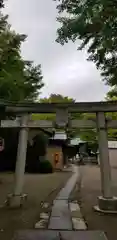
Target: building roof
x=76 y=141
x=60 y=136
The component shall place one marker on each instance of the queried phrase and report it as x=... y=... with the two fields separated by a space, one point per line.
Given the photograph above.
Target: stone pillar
x=106 y=202
x=16 y=199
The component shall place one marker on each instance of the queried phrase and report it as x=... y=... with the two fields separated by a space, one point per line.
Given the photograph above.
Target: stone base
x=15 y=201
x=106 y=205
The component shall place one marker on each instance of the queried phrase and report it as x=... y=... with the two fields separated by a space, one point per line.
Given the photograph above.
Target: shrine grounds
x=87 y=198
x=39 y=187
x=44 y=188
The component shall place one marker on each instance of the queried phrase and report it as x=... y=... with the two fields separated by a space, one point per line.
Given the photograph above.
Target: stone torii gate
x=107 y=202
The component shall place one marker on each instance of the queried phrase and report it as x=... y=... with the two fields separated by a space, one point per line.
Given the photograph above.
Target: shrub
x=45 y=167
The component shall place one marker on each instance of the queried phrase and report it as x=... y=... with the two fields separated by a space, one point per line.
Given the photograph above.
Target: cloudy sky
x=65 y=69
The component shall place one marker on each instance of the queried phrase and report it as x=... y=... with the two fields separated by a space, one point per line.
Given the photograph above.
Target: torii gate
x=107 y=202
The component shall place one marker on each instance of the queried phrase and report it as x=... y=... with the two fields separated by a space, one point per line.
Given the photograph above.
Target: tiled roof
x=75 y=141
x=60 y=136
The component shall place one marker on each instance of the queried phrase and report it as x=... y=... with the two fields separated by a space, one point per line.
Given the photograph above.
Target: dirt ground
x=87 y=197
x=39 y=188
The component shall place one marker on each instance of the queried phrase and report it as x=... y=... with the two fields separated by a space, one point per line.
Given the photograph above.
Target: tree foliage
x=86 y=135
x=112 y=96
x=58 y=98
x=40 y=143
x=55 y=98
x=19 y=80
x=92 y=134
x=94 y=22
x=89 y=135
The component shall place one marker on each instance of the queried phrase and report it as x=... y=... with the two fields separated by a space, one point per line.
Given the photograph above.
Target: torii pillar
x=107 y=203
x=16 y=198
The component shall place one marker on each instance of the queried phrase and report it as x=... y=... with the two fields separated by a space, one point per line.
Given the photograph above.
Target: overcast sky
x=65 y=69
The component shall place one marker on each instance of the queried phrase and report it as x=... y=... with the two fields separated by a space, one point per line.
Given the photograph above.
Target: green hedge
x=45 y=167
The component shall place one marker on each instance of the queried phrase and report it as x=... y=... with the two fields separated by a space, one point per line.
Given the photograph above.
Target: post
x=106 y=203
x=62 y=118
x=105 y=168
x=15 y=199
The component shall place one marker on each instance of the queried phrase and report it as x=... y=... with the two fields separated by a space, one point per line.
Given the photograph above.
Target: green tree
x=94 y=22
x=57 y=98
x=19 y=80
x=89 y=135
x=112 y=96
x=32 y=81
x=53 y=98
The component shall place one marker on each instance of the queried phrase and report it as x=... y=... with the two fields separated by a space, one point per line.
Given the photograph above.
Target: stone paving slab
x=78 y=224
x=60 y=223
x=83 y=235
x=65 y=192
x=36 y=235
x=60 y=208
x=77 y=219
x=74 y=206
x=59 y=203
x=75 y=210
x=56 y=235
x=42 y=223
x=60 y=217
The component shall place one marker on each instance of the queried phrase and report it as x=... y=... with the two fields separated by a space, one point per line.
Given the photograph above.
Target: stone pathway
x=65 y=215
x=59 y=235
x=64 y=219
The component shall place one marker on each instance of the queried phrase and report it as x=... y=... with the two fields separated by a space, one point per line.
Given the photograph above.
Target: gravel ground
x=39 y=188
x=87 y=197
